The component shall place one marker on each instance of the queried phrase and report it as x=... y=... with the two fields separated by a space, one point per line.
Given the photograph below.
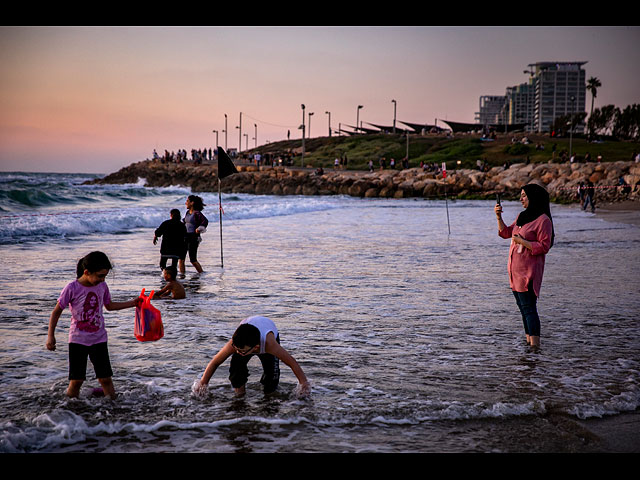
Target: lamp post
x=216 y=146
x=240 y=134
x=573 y=109
x=309 y=131
x=256 y=137
x=302 y=127
x=394 y=115
x=225 y=131
x=329 y=113
x=358 y=117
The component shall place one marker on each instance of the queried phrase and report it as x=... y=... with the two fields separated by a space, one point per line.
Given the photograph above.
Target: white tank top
x=265 y=326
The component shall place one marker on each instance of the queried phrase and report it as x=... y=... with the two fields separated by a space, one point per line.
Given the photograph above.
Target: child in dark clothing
x=173 y=246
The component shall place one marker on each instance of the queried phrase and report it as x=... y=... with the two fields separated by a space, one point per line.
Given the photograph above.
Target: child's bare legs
x=107 y=387
x=239 y=391
x=74 y=388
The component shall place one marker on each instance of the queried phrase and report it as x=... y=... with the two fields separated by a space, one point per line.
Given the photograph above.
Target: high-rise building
x=520 y=104
x=560 y=89
x=492 y=110
x=554 y=89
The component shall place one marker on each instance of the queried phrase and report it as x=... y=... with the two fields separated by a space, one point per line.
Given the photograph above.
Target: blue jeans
x=527 y=304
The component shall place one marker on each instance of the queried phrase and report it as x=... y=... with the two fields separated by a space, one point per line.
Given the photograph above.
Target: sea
x=398 y=310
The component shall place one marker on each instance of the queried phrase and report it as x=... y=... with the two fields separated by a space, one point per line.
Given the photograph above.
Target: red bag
x=148 y=326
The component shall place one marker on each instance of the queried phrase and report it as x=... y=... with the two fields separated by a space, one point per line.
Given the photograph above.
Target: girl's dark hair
x=246 y=336
x=538 y=205
x=93 y=262
x=198 y=204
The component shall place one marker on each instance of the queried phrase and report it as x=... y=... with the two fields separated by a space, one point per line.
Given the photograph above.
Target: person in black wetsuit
x=173 y=246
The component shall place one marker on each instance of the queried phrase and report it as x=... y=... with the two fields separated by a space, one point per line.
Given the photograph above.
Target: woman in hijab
x=531 y=237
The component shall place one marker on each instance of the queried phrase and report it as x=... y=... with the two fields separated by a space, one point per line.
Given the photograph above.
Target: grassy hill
x=321 y=151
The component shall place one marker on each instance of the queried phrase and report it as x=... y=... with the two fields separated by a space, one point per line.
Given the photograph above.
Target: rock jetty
x=561 y=180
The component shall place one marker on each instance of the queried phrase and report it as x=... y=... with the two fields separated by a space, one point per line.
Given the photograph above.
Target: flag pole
x=225 y=168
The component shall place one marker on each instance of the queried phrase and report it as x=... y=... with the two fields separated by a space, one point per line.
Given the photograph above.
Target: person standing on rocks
x=196 y=224
x=531 y=237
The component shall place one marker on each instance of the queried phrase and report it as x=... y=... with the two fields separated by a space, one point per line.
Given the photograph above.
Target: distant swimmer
x=173 y=288
x=259 y=336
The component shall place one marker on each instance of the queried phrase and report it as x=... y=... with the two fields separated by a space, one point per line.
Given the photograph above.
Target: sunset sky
x=95 y=99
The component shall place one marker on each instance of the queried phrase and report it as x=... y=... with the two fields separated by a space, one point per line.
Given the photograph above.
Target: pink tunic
x=527 y=266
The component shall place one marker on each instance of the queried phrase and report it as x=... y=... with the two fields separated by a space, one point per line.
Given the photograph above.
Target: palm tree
x=592 y=85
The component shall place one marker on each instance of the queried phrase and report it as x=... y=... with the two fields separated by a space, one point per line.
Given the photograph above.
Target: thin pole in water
x=446 y=201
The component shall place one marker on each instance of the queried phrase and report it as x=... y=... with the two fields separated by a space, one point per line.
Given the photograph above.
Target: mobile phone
x=498 y=199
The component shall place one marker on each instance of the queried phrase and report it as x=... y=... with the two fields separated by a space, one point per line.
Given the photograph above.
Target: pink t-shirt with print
x=86 y=304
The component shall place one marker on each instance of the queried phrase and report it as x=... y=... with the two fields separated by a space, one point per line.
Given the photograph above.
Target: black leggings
x=239 y=371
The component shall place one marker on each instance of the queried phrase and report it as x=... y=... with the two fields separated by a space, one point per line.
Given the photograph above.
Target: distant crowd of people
x=197 y=156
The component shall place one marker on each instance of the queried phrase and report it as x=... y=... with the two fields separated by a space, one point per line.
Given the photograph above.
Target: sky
x=96 y=99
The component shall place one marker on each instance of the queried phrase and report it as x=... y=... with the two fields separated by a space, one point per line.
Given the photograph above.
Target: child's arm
x=218 y=359
x=122 y=305
x=166 y=290
x=274 y=348
x=53 y=321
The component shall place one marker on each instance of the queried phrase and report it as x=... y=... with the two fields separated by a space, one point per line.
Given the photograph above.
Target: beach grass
x=437 y=148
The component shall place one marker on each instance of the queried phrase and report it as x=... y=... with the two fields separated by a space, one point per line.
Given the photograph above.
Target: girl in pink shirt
x=85 y=297
x=531 y=237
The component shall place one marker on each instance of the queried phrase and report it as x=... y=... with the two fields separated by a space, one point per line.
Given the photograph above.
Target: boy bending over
x=254 y=336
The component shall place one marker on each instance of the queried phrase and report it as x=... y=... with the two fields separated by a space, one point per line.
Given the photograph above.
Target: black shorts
x=192 y=240
x=99 y=356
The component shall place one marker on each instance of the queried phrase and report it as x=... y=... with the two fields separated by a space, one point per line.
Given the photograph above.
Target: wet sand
x=623 y=212
x=617 y=433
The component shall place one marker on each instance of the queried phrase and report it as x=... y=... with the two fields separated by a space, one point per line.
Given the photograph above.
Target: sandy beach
x=623 y=212
x=615 y=434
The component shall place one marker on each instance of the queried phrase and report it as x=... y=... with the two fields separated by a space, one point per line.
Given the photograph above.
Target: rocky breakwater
x=561 y=180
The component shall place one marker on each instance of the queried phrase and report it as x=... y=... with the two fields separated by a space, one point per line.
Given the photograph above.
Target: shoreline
x=618 y=433
x=625 y=211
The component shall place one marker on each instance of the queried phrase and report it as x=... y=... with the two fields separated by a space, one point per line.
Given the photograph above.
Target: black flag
x=225 y=165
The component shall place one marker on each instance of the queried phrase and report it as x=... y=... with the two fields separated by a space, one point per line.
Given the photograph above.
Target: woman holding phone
x=531 y=237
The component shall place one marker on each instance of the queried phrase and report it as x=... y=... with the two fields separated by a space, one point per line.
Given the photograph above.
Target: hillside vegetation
x=430 y=148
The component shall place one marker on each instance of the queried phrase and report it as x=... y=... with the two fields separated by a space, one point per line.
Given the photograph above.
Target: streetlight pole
x=309 y=133
x=225 y=131
x=394 y=115
x=216 y=146
x=329 y=113
x=256 y=137
x=358 y=117
x=573 y=109
x=302 y=158
x=240 y=134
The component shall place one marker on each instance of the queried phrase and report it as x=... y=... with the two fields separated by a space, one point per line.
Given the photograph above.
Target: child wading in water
x=85 y=297
x=173 y=288
x=254 y=336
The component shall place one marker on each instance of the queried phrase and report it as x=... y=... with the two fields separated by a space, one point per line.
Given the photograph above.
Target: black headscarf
x=538 y=205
